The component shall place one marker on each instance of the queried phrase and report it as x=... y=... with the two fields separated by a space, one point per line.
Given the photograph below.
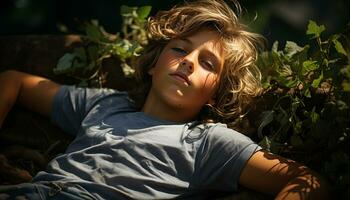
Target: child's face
x=187 y=72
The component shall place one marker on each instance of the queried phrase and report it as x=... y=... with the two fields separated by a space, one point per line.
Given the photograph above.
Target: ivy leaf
x=314 y=29
x=306 y=91
x=69 y=62
x=282 y=116
x=143 y=12
x=291 y=83
x=285 y=71
x=295 y=104
x=270 y=145
x=266 y=143
x=267 y=117
x=297 y=127
x=342 y=105
x=127 y=70
x=266 y=83
x=80 y=53
x=346 y=86
x=64 y=63
x=316 y=82
x=275 y=47
x=93 y=32
x=93 y=52
x=292 y=48
x=309 y=65
x=126 y=10
x=339 y=47
x=314 y=115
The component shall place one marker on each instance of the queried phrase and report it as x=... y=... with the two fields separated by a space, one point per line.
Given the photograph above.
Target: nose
x=188 y=63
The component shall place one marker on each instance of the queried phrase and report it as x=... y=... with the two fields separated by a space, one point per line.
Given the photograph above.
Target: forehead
x=203 y=37
x=206 y=39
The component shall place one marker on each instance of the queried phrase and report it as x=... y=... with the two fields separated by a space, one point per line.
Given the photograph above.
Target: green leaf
x=298 y=127
x=275 y=47
x=307 y=92
x=127 y=70
x=316 y=82
x=266 y=143
x=314 y=115
x=126 y=10
x=309 y=65
x=266 y=84
x=80 y=53
x=291 y=83
x=93 y=32
x=295 y=104
x=346 y=86
x=267 y=117
x=143 y=12
x=342 y=105
x=314 y=29
x=64 y=63
x=292 y=48
x=285 y=71
x=339 y=47
x=93 y=52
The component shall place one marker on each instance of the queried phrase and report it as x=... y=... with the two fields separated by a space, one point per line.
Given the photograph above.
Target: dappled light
x=267 y=122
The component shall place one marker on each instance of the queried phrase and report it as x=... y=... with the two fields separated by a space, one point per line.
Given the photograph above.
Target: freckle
x=179 y=92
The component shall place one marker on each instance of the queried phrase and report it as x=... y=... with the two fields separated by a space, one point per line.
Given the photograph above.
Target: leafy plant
x=85 y=63
x=305 y=114
x=304 y=110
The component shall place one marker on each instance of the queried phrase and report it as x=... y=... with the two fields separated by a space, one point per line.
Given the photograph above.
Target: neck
x=161 y=110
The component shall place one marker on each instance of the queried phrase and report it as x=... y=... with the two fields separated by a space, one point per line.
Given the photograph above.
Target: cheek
x=209 y=83
x=166 y=60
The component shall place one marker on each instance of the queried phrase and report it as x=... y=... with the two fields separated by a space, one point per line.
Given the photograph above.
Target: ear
x=151 y=71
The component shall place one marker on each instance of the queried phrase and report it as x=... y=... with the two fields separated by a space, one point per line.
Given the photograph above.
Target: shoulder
x=222 y=155
x=90 y=92
x=220 y=138
x=90 y=97
x=220 y=132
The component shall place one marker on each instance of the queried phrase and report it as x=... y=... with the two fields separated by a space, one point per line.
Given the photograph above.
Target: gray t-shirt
x=121 y=153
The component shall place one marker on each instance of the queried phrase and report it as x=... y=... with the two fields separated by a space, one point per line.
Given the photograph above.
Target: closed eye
x=179 y=50
x=208 y=65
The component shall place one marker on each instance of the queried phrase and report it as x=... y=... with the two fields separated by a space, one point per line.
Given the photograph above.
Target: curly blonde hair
x=240 y=78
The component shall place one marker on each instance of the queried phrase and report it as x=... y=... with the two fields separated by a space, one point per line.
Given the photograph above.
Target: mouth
x=181 y=77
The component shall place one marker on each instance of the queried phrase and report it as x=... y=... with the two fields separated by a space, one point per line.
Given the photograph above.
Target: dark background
x=276 y=19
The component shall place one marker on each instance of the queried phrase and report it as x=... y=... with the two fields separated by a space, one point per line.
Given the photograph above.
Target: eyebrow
x=185 y=40
x=211 y=54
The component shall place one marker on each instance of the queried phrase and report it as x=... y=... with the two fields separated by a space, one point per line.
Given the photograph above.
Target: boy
x=166 y=141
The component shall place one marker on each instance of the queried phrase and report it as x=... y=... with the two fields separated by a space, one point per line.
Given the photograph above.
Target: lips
x=181 y=77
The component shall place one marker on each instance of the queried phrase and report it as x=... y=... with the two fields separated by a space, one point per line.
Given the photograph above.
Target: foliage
x=85 y=63
x=304 y=110
x=306 y=113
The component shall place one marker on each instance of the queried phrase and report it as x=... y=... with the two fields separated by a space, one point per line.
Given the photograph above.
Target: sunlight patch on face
x=179 y=93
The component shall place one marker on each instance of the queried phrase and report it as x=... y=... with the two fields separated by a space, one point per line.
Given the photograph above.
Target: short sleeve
x=71 y=104
x=221 y=158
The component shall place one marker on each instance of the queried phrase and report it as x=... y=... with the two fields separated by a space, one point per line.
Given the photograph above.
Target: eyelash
x=180 y=50
x=207 y=64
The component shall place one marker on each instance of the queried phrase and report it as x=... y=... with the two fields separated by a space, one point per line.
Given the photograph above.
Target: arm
x=268 y=173
x=33 y=92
